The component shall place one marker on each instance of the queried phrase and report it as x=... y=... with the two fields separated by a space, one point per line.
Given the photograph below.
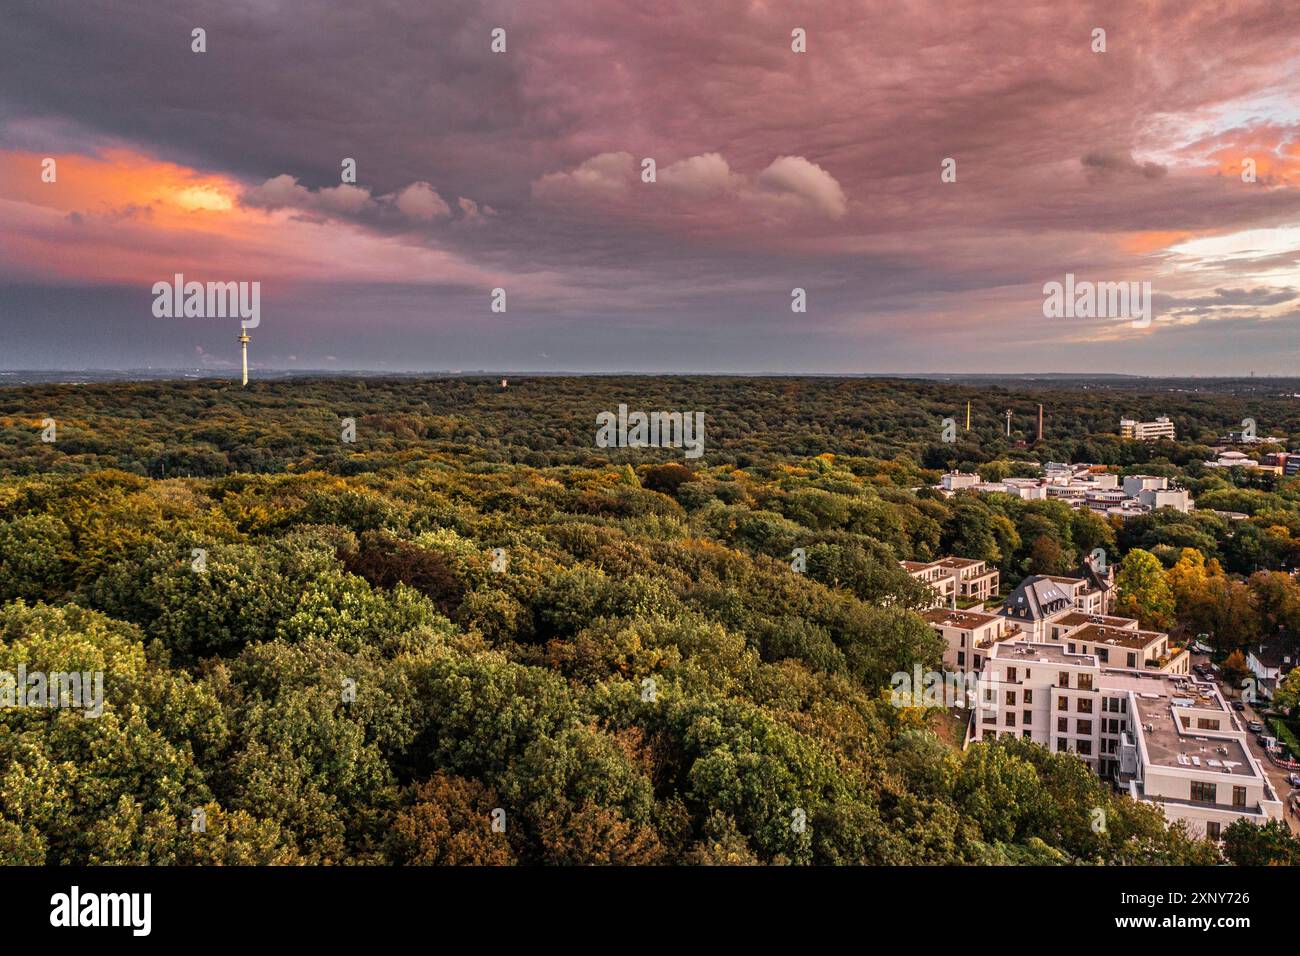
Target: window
x=1085 y=682
x=1070 y=647
x=1027 y=717
x=1085 y=747
x=1063 y=679
x=1063 y=725
x=961 y=658
x=1103 y=655
x=1212 y=830
x=1062 y=703
x=1011 y=698
x=1203 y=792
x=1132 y=660
x=1060 y=745
x=1011 y=676
x=1011 y=718
x=1027 y=734
x=1029 y=695
x=1084 y=727
x=1207 y=723
x=1238 y=796
x=1085 y=705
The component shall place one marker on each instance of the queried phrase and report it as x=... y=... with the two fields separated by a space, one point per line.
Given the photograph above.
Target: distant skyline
x=776 y=170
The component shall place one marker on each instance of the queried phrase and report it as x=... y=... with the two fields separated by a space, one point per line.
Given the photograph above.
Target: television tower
x=1008 y=423
x=243 y=347
x=968 y=415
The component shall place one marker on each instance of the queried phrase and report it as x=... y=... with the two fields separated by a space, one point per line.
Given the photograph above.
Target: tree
x=1246 y=844
x=1234 y=669
x=1143 y=591
x=448 y=822
x=1045 y=557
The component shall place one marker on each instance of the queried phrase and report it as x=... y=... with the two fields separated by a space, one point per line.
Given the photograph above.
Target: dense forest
x=472 y=636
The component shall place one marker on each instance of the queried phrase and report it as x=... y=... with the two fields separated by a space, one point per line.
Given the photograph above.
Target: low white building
x=1162 y=427
x=1080 y=486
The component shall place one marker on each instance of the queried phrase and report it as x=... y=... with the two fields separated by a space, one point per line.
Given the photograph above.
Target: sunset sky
x=776 y=170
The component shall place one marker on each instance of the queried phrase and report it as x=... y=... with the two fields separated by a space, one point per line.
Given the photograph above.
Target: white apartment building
x=966 y=579
x=1165 y=739
x=928 y=572
x=1162 y=427
x=968 y=636
x=1074 y=612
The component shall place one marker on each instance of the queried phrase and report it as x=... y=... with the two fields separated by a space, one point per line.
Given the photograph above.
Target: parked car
x=1256 y=727
x=1238 y=705
x=1293 y=779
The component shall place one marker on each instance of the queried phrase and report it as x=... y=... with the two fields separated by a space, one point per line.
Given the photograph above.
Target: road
x=1276 y=776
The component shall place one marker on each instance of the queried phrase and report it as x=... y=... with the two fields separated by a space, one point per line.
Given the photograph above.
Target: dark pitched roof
x=1035 y=598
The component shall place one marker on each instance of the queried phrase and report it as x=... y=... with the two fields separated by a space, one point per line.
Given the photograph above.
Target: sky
x=1170 y=157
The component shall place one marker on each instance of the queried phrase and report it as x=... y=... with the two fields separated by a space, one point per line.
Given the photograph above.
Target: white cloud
x=421 y=201
x=418 y=202
x=793 y=178
x=789 y=185
x=603 y=176
x=704 y=175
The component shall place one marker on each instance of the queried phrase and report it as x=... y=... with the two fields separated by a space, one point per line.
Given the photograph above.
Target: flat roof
x=950 y=618
x=1117 y=636
x=1171 y=743
x=1029 y=652
x=1078 y=618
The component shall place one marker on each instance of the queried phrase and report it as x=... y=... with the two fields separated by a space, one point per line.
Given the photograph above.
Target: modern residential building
x=928 y=572
x=1162 y=427
x=1074 y=612
x=1039 y=600
x=965 y=579
x=1165 y=739
x=968 y=636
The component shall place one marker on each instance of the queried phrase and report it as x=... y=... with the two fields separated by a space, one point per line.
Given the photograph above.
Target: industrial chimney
x=1040 y=422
